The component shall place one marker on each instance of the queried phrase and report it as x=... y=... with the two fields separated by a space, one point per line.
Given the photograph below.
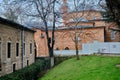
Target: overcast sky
x=88 y=3
x=70 y=4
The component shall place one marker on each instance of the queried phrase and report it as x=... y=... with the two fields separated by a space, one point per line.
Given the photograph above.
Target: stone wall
x=13 y=36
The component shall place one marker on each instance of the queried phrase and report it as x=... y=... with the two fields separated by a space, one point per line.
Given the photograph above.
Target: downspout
x=22 y=47
x=35 y=51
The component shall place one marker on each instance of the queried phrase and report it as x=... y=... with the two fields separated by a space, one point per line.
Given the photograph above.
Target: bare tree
x=76 y=16
x=47 y=13
x=9 y=12
x=12 y=11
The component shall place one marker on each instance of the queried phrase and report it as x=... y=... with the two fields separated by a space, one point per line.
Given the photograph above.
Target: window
x=30 y=48
x=0 y=56
x=57 y=48
x=8 y=50
x=42 y=35
x=94 y=17
x=27 y=62
x=17 y=49
x=102 y=17
x=66 y=48
x=14 y=67
x=112 y=34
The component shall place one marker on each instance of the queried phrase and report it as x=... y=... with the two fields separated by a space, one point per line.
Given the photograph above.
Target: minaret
x=64 y=12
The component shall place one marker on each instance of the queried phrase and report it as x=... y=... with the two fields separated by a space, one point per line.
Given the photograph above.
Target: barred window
x=30 y=48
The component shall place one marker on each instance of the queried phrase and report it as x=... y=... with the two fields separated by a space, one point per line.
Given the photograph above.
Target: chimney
x=64 y=11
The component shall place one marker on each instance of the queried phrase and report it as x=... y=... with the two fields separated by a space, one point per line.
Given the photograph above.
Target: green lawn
x=87 y=68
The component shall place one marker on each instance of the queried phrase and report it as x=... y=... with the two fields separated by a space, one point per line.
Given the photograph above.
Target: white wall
x=65 y=52
x=106 y=47
x=90 y=48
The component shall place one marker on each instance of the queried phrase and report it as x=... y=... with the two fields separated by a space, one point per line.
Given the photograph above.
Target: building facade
x=88 y=25
x=92 y=18
x=16 y=46
x=65 y=38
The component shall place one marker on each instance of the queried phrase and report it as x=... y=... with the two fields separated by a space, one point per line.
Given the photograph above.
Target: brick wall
x=65 y=38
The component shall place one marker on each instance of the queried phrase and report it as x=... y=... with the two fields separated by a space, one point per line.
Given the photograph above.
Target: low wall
x=65 y=52
x=106 y=47
x=90 y=48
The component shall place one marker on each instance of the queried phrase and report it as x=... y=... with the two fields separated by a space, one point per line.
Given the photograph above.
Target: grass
x=87 y=68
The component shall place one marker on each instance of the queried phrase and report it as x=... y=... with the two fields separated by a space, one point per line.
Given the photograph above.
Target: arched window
x=57 y=48
x=113 y=35
x=42 y=35
x=94 y=17
x=66 y=48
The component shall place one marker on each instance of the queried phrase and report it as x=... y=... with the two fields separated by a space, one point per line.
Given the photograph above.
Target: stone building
x=16 y=46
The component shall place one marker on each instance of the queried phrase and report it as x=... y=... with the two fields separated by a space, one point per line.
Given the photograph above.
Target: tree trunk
x=51 y=57
x=51 y=61
x=77 y=52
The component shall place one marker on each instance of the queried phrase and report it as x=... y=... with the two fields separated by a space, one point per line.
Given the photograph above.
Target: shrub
x=28 y=73
x=32 y=72
x=59 y=59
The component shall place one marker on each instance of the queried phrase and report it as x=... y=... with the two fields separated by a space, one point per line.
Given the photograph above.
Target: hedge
x=59 y=59
x=33 y=72
x=28 y=73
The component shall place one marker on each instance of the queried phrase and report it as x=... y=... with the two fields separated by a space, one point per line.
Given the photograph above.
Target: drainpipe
x=22 y=47
x=35 y=51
